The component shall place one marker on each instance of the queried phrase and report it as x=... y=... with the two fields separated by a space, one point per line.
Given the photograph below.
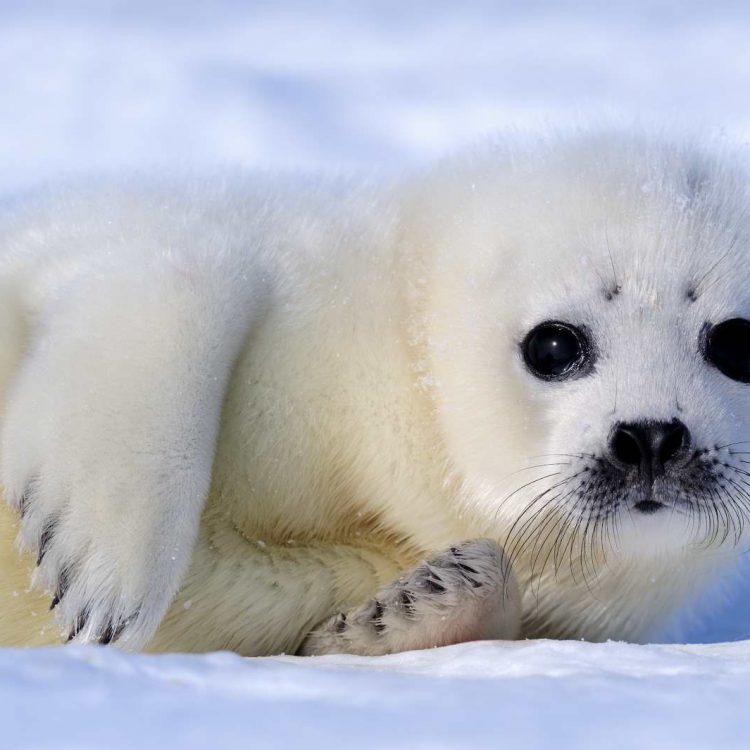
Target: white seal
x=509 y=396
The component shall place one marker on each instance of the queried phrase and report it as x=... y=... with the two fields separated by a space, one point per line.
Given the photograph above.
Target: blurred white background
x=303 y=83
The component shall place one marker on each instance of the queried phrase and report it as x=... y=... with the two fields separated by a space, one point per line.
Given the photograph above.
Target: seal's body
x=234 y=411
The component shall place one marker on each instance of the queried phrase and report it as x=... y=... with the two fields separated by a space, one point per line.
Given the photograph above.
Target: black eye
x=727 y=346
x=555 y=351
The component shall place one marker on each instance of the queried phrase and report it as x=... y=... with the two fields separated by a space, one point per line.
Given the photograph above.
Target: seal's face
x=669 y=437
x=591 y=349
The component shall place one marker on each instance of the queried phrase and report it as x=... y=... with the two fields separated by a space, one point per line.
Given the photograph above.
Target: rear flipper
x=466 y=593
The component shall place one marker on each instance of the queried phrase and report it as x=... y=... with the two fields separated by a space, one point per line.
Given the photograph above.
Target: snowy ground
x=90 y=86
x=477 y=695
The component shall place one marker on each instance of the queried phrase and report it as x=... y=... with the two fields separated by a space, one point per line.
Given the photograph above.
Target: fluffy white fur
x=235 y=408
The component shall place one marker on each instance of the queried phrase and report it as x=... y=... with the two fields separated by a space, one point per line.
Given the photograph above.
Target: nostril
x=648 y=445
x=626 y=447
x=675 y=438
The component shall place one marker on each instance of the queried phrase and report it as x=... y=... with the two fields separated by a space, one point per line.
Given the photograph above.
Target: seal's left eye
x=727 y=346
x=555 y=350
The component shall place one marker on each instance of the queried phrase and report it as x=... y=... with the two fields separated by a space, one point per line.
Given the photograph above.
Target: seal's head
x=588 y=310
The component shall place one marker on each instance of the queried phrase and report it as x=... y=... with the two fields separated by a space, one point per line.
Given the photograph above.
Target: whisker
x=580 y=456
x=560 y=530
x=744 y=501
x=561 y=538
x=524 y=486
x=729 y=445
x=540 y=543
x=511 y=542
x=537 y=466
x=721 y=258
x=533 y=502
x=516 y=543
x=548 y=522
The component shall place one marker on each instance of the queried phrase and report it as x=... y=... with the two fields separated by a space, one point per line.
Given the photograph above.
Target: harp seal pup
x=506 y=397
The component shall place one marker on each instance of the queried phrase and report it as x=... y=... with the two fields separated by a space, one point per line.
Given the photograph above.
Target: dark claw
x=45 y=539
x=377 y=617
x=340 y=624
x=107 y=636
x=79 y=625
x=433 y=586
x=63 y=581
x=471 y=572
x=407 y=600
x=112 y=632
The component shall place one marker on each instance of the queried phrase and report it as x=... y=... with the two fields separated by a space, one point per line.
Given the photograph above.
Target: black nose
x=649 y=445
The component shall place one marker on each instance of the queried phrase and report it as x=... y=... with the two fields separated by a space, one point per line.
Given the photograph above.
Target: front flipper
x=466 y=593
x=108 y=442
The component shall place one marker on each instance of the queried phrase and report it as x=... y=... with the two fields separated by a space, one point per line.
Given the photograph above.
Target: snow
x=477 y=695
x=93 y=86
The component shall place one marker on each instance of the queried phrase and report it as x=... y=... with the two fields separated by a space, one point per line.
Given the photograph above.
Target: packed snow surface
x=92 y=86
x=475 y=695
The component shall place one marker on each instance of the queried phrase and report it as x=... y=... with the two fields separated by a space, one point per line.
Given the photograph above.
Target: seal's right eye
x=727 y=346
x=555 y=351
